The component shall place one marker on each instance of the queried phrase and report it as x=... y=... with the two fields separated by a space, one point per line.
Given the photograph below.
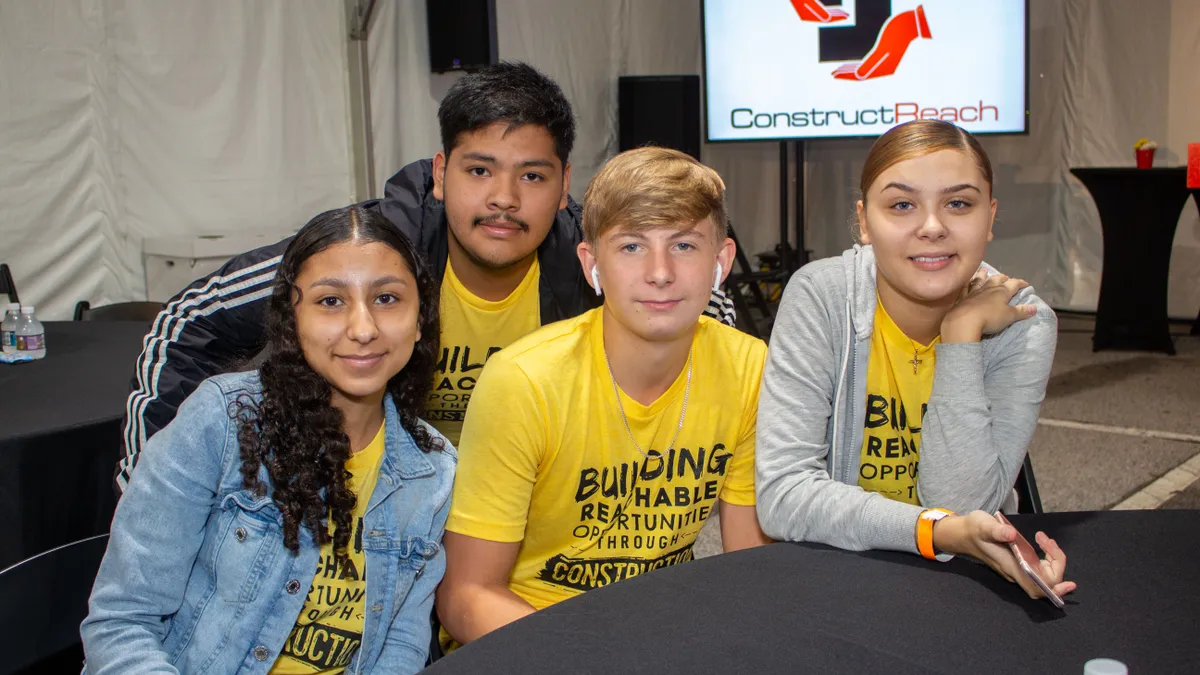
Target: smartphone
x=1030 y=562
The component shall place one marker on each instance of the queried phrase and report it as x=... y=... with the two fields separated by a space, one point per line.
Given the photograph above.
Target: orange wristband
x=925 y=533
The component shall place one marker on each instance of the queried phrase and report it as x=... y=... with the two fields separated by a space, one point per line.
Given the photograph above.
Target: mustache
x=501 y=220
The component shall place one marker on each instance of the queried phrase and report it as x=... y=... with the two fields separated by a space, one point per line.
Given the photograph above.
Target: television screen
x=795 y=69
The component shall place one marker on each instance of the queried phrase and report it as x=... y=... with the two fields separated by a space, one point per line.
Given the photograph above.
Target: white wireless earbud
x=596 y=280
x=717 y=278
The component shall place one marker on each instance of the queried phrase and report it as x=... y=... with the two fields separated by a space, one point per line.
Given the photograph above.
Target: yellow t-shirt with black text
x=472 y=330
x=897 y=396
x=328 y=631
x=545 y=458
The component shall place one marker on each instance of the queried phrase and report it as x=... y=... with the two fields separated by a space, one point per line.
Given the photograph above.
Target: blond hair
x=649 y=188
x=916 y=139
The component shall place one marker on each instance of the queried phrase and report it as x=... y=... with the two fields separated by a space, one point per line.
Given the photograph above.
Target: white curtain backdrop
x=124 y=119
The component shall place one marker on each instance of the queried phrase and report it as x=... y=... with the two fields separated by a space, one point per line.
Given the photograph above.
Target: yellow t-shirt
x=897 y=396
x=472 y=330
x=546 y=460
x=328 y=631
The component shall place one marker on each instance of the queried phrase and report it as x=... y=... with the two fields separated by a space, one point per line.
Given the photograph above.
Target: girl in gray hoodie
x=904 y=378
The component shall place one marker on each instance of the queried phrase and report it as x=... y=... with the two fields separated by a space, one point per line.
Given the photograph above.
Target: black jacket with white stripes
x=217 y=322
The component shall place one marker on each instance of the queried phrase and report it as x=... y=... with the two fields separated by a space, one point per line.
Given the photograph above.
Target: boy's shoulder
x=729 y=345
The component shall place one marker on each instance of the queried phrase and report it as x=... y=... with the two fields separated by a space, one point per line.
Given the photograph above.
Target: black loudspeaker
x=462 y=34
x=659 y=110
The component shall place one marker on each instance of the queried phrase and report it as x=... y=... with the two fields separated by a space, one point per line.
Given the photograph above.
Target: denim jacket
x=196 y=578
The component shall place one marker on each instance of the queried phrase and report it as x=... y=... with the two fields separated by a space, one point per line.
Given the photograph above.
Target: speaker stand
x=785 y=249
x=737 y=283
x=801 y=244
x=792 y=258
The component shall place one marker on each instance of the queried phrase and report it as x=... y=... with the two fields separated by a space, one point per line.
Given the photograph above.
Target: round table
x=60 y=435
x=799 y=608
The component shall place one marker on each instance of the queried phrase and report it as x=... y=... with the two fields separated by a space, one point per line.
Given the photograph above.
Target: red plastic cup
x=1145 y=157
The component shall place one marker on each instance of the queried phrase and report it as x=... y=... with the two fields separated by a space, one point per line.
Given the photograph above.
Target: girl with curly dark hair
x=317 y=461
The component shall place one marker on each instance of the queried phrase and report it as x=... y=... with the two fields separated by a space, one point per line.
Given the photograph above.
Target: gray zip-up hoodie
x=812 y=407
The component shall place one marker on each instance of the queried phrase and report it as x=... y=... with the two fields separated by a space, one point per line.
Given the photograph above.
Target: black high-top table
x=1139 y=209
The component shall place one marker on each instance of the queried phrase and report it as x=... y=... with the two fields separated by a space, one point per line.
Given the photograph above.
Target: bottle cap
x=14 y=306
x=27 y=309
x=1104 y=667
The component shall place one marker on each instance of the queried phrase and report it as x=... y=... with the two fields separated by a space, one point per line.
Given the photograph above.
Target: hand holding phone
x=1030 y=563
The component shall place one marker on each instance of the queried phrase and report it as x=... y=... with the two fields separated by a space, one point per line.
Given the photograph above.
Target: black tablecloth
x=60 y=431
x=798 y=608
x=1139 y=209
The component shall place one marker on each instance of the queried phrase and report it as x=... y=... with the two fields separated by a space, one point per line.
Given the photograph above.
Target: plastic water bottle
x=31 y=336
x=1105 y=667
x=8 y=328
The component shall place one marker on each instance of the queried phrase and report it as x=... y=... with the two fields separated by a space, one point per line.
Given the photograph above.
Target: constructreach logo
x=873 y=47
x=878 y=38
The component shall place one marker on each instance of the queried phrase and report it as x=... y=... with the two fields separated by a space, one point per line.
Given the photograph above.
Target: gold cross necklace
x=916 y=352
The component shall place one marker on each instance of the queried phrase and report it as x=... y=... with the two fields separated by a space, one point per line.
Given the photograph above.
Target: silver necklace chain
x=682 y=413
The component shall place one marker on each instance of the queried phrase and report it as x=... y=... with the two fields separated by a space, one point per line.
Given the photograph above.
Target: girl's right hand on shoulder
x=981 y=536
x=983 y=308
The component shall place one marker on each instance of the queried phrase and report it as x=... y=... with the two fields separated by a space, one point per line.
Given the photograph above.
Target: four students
x=898 y=398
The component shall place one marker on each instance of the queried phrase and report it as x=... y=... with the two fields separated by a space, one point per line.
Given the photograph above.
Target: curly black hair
x=511 y=92
x=295 y=431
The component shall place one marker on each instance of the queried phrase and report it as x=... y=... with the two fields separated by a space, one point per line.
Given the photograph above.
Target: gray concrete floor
x=1087 y=469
